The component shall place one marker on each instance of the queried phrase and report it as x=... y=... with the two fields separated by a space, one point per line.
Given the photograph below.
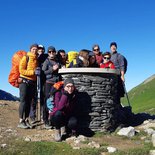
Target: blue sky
x=78 y=24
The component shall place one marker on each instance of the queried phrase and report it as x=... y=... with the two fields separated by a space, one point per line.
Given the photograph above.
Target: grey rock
x=3 y=145
x=111 y=149
x=153 y=140
x=152 y=152
x=129 y=132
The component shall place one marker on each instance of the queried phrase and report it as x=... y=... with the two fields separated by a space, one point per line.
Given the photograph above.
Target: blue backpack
x=50 y=103
x=55 y=88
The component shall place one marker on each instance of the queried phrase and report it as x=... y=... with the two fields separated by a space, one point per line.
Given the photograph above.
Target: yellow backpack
x=72 y=55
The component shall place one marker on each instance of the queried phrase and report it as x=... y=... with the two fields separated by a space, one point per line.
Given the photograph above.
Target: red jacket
x=99 y=58
x=109 y=64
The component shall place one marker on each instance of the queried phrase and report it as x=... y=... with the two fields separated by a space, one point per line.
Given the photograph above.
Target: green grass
x=142 y=98
x=100 y=134
x=138 y=151
x=18 y=147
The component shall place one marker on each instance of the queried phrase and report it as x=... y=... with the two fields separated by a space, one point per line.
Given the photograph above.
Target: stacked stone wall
x=97 y=99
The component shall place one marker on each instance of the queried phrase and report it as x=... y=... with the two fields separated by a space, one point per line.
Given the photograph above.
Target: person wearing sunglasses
x=63 y=115
x=50 y=68
x=107 y=63
x=96 y=57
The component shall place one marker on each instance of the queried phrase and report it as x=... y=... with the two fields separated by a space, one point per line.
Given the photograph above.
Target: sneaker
x=73 y=133
x=47 y=126
x=57 y=135
x=22 y=125
x=28 y=124
x=63 y=131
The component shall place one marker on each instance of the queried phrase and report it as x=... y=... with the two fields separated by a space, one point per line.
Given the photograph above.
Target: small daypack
x=55 y=88
x=14 y=73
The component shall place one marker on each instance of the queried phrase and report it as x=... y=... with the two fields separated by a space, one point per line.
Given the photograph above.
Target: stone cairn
x=97 y=99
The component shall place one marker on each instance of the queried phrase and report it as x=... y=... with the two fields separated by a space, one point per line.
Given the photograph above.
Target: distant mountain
x=7 y=96
x=142 y=97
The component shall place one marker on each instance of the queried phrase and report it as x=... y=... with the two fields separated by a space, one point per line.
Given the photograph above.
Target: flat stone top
x=88 y=70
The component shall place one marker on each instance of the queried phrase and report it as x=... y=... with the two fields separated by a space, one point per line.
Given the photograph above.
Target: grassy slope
x=142 y=97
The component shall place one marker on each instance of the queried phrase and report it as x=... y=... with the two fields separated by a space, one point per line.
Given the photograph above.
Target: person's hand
x=55 y=67
x=38 y=71
x=123 y=79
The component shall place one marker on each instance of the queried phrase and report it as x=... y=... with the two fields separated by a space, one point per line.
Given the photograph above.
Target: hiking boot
x=57 y=135
x=22 y=125
x=63 y=131
x=28 y=124
x=47 y=126
x=73 y=133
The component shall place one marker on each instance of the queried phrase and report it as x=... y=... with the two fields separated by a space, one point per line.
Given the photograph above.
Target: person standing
x=119 y=63
x=117 y=59
x=82 y=59
x=61 y=56
x=96 y=58
x=107 y=63
x=41 y=77
x=50 y=68
x=27 y=87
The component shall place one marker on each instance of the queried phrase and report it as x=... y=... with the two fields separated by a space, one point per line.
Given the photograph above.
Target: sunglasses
x=107 y=58
x=51 y=52
x=95 y=49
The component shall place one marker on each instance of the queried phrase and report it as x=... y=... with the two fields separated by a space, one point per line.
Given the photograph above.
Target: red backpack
x=14 y=73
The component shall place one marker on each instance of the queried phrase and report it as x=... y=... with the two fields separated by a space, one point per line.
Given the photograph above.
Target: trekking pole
x=126 y=94
x=38 y=98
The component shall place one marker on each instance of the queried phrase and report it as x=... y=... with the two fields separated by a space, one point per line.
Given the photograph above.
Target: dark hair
x=61 y=51
x=113 y=43
x=106 y=53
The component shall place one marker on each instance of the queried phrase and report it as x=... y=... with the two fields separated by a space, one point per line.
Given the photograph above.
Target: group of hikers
x=45 y=66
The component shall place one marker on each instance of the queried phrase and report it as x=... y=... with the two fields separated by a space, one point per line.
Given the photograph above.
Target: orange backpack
x=14 y=73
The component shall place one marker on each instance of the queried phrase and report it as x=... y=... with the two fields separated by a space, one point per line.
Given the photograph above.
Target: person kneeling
x=63 y=111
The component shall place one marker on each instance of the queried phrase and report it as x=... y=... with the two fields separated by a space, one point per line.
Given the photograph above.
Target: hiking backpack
x=125 y=62
x=55 y=88
x=14 y=73
x=72 y=55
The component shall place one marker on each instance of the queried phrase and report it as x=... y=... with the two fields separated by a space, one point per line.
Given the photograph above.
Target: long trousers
x=27 y=92
x=59 y=120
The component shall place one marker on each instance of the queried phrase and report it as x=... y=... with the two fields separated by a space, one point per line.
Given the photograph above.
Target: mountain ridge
x=7 y=96
x=142 y=97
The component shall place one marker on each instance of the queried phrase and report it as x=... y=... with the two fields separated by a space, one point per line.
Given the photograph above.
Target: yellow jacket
x=27 y=69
